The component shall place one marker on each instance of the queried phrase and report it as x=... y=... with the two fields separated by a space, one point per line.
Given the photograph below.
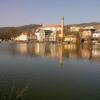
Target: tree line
x=9 y=34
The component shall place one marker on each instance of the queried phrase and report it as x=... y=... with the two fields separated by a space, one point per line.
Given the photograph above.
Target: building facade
x=48 y=33
x=96 y=34
x=74 y=29
x=22 y=37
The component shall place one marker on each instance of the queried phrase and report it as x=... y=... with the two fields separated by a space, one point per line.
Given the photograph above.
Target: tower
x=62 y=28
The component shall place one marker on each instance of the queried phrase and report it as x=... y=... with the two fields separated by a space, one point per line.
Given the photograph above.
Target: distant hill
x=33 y=27
x=89 y=24
x=25 y=28
x=95 y=24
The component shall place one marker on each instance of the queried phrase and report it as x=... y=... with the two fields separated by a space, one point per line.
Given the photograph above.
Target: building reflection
x=56 y=51
x=70 y=51
x=22 y=48
x=96 y=52
x=39 y=49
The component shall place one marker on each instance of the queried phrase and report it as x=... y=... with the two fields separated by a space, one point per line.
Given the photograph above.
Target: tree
x=13 y=32
x=9 y=34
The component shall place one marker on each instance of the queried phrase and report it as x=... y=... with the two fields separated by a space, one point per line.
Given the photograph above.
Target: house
x=22 y=37
x=40 y=35
x=96 y=36
x=87 y=33
x=74 y=29
x=89 y=27
x=48 y=33
x=70 y=39
x=52 y=27
x=26 y=36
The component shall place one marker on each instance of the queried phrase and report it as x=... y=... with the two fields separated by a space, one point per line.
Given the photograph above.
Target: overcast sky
x=22 y=12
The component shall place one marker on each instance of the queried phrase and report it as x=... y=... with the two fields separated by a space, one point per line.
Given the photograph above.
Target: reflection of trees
x=85 y=52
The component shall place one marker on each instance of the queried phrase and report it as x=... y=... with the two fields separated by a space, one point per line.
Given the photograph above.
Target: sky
x=24 y=12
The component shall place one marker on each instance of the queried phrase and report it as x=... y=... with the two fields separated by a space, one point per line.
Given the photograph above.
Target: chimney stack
x=62 y=27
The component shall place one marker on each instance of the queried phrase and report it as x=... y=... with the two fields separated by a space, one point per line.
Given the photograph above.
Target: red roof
x=56 y=26
x=25 y=33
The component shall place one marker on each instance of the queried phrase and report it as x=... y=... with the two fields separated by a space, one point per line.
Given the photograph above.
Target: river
x=49 y=71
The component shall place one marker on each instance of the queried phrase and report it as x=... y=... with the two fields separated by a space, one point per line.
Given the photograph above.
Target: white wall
x=22 y=37
x=96 y=35
x=38 y=36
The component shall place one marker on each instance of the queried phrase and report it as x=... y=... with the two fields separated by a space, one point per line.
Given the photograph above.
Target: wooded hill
x=25 y=28
x=28 y=28
x=95 y=24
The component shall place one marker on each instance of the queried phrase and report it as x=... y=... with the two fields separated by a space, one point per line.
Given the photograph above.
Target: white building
x=22 y=37
x=40 y=34
x=52 y=27
x=74 y=29
x=89 y=27
x=48 y=33
x=96 y=34
x=77 y=28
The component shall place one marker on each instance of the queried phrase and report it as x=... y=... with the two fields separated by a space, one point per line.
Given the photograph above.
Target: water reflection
x=76 y=79
x=52 y=51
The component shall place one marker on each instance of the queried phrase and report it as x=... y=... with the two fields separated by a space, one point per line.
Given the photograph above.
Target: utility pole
x=62 y=28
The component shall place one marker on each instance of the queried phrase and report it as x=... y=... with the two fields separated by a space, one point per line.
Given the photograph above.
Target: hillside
x=25 y=28
x=33 y=27
x=95 y=24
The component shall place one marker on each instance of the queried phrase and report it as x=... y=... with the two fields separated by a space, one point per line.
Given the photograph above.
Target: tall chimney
x=62 y=27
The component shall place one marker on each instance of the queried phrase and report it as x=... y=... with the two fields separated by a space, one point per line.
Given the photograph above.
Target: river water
x=47 y=71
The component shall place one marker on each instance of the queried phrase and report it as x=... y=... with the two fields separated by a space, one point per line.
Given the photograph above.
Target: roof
x=56 y=26
x=25 y=33
x=97 y=31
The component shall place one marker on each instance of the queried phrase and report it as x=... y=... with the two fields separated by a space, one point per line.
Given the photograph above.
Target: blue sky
x=22 y=12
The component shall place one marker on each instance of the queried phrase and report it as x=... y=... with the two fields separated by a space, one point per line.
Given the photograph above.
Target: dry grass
x=16 y=94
